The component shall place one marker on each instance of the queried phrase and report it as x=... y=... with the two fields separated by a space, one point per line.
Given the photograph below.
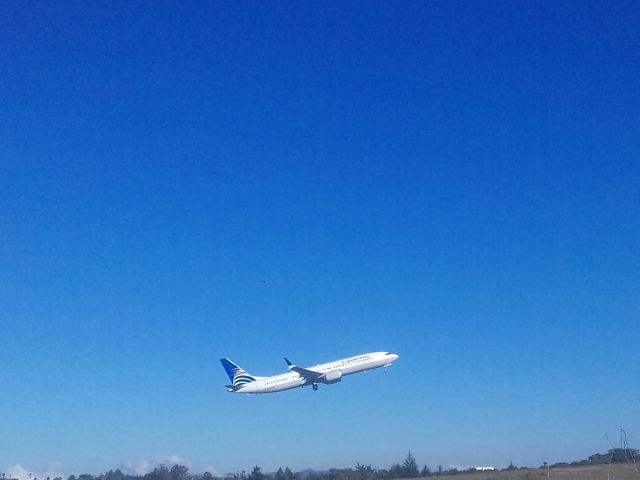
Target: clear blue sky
x=454 y=182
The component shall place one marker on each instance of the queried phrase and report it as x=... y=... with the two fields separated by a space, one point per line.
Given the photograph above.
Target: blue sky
x=454 y=182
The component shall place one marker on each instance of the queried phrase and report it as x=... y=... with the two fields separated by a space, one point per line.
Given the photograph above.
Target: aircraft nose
x=394 y=357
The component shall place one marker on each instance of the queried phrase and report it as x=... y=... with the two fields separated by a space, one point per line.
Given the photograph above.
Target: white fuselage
x=346 y=366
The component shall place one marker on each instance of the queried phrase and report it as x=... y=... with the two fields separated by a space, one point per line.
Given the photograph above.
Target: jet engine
x=334 y=376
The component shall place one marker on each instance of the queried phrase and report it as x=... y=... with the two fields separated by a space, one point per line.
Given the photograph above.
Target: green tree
x=426 y=471
x=410 y=467
x=395 y=471
x=365 y=472
x=178 y=472
x=161 y=472
x=256 y=474
x=113 y=475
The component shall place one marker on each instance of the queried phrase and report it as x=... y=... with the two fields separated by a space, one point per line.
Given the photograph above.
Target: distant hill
x=615 y=455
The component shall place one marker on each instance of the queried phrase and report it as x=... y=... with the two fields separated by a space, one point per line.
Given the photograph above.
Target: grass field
x=601 y=472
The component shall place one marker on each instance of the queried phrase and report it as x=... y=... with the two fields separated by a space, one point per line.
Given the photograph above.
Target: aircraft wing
x=308 y=375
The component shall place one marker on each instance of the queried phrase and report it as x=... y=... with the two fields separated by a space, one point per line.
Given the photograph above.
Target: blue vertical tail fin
x=236 y=374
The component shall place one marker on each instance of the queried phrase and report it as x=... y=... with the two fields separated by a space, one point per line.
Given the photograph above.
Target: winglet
x=289 y=364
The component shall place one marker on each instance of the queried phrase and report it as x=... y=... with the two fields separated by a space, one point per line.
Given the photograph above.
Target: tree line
x=405 y=469
x=408 y=468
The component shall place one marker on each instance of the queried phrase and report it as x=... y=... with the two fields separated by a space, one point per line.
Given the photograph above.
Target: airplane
x=327 y=373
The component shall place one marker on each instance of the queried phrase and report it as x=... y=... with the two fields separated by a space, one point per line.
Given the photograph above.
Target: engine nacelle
x=334 y=376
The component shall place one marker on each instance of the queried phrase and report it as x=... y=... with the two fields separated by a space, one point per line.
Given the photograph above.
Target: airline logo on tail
x=237 y=375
